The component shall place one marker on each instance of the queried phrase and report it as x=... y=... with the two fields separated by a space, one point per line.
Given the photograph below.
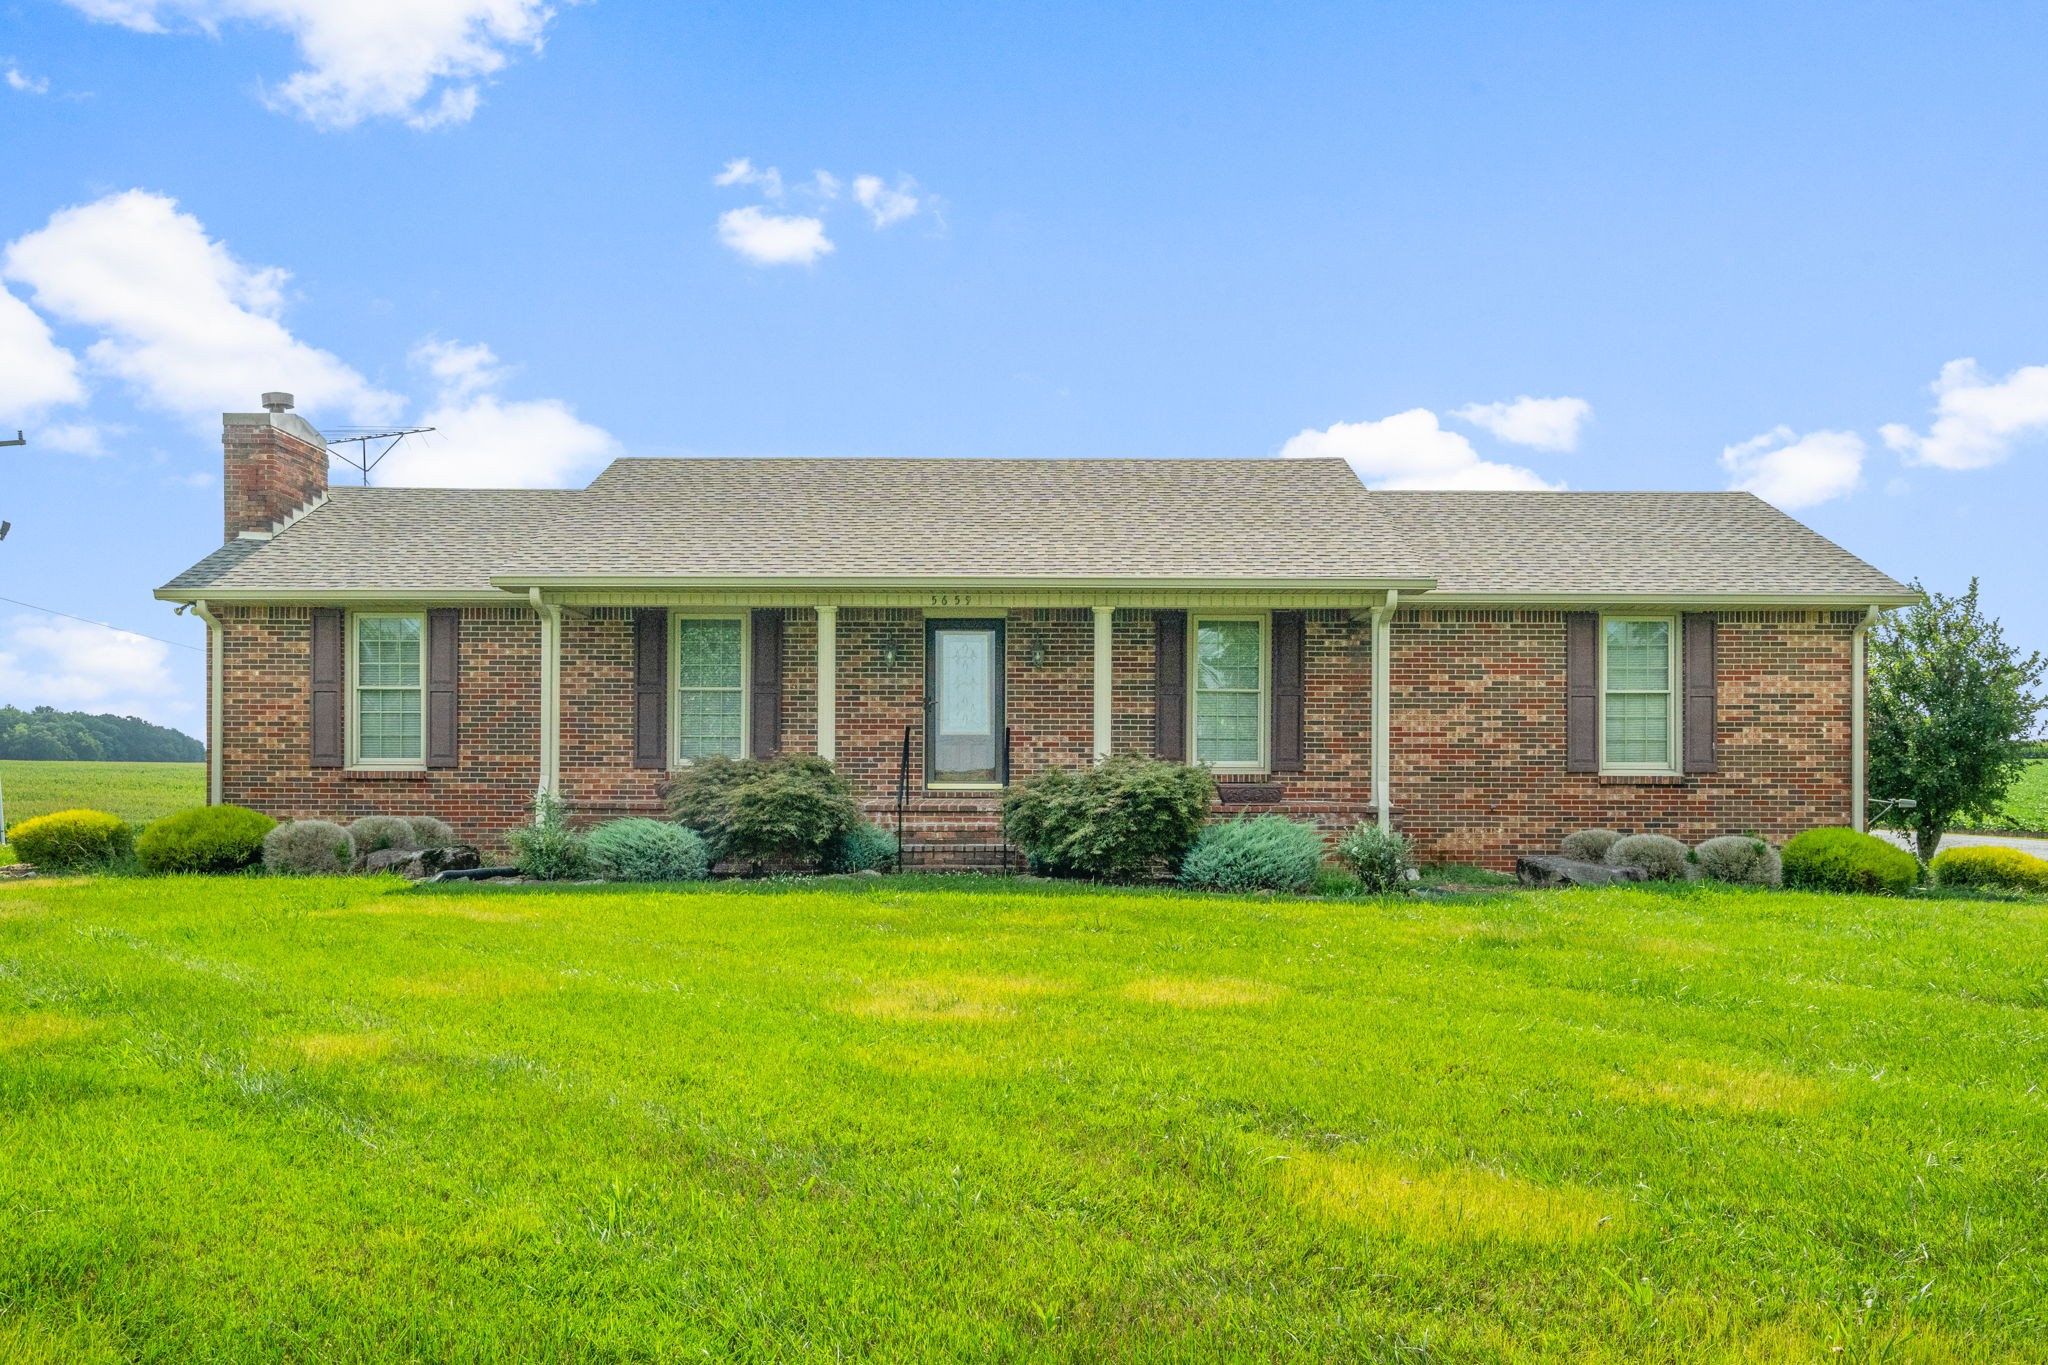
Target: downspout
x=1859 y=799
x=550 y=692
x=215 y=709
x=1382 y=706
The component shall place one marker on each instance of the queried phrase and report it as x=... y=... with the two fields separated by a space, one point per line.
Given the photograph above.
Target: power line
x=52 y=611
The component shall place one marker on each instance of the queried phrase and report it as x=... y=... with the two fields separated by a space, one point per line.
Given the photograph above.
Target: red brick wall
x=267 y=475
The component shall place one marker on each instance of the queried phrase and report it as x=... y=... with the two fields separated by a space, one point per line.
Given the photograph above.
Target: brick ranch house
x=1483 y=670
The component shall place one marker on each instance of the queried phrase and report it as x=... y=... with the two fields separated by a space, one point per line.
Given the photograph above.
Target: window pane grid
x=390 y=720
x=1228 y=672
x=710 y=696
x=1638 y=714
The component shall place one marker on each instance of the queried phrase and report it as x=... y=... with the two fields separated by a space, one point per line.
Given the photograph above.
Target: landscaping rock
x=1548 y=869
x=418 y=865
x=16 y=872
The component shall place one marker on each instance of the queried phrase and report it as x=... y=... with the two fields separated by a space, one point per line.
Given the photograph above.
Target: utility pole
x=19 y=440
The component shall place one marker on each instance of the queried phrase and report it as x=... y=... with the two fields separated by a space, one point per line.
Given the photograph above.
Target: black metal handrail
x=902 y=790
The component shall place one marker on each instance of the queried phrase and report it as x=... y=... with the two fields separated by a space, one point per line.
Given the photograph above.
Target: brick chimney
x=274 y=464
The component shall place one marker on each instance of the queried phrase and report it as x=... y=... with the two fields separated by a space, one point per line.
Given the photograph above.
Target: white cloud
x=1409 y=450
x=49 y=661
x=1791 y=471
x=740 y=171
x=886 y=205
x=419 y=60
x=78 y=438
x=482 y=440
x=1978 y=420
x=35 y=372
x=1544 y=423
x=772 y=238
x=19 y=81
x=193 y=329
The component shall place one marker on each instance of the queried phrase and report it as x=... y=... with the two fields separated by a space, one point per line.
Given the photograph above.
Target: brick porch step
x=960 y=856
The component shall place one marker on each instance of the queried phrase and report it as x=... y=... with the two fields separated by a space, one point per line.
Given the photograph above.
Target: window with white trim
x=1639 y=694
x=1228 y=692
x=711 y=687
x=389 y=703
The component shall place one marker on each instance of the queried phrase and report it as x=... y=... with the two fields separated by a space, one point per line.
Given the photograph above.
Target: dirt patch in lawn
x=951 y=997
x=1214 y=992
x=1447 y=1202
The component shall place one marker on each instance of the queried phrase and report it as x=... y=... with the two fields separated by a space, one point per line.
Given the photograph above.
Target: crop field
x=934 y=1119
x=2025 y=809
x=137 y=792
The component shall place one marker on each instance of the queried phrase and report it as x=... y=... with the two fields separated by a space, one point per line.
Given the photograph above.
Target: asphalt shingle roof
x=1214 y=521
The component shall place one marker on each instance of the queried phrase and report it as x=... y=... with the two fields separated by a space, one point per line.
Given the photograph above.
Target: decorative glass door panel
x=964 y=702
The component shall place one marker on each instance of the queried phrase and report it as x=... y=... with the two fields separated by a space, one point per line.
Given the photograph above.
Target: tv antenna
x=19 y=440
x=365 y=458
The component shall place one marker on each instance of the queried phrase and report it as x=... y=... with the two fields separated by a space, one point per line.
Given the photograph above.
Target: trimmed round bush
x=861 y=848
x=375 y=833
x=308 y=848
x=786 y=809
x=1266 y=853
x=640 y=850
x=204 y=839
x=1844 y=860
x=73 y=840
x=427 y=832
x=1380 y=857
x=1124 y=820
x=2005 y=868
x=1740 y=860
x=1659 y=856
x=1590 y=845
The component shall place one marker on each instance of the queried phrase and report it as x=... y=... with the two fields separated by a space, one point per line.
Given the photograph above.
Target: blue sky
x=1725 y=244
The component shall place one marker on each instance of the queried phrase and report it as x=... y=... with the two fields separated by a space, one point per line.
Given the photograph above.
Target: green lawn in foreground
x=251 y=1119
x=137 y=792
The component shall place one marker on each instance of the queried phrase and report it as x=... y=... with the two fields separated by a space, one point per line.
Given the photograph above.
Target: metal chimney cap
x=277 y=402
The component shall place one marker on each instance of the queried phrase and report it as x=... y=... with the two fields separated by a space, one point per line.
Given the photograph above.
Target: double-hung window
x=389 y=702
x=1229 y=692
x=711 y=693
x=1639 y=701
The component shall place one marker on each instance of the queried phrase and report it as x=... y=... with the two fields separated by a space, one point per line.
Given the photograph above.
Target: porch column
x=550 y=692
x=1382 y=705
x=1104 y=699
x=828 y=683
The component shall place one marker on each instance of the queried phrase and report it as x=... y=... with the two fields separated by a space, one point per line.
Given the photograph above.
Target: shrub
x=1843 y=860
x=375 y=833
x=648 y=851
x=1740 y=859
x=73 y=840
x=309 y=848
x=1590 y=845
x=1660 y=857
x=753 y=810
x=861 y=848
x=1380 y=857
x=1118 y=821
x=548 y=850
x=2005 y=868
x=204 y=839
x=427 y=832
x=1266 y=853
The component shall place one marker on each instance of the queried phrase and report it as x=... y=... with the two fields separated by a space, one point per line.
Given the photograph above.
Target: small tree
x=1950 y=707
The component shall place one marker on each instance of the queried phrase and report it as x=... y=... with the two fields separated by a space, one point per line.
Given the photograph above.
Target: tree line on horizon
x=49 y=735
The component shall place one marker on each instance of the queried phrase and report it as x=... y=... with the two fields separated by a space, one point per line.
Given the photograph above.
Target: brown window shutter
x=1289 y=642
x=765 y=689
x=444 y=655
x=1698 y=716
x=1582 y=692
x=329 y=641
x=1170 y=686
x=650 y=688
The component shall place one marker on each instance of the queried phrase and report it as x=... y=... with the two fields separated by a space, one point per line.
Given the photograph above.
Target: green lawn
x=250 y=1119
x=137 y=792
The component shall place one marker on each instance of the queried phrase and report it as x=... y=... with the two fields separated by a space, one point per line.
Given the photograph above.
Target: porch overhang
x=964 y=591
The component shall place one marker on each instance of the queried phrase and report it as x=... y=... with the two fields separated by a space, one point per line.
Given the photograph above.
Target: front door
x=964 y=703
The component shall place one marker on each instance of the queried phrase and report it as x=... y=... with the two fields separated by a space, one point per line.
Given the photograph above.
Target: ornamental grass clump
x=1590 y=845
x=375 y=833
x=427 y=832
x=548 y=850
x=73 y=841
x=204 y=839
x=1380 y=858
x=1833 y=859
x=1740 y=860
x=308 y=848
x=2007 y=869
x=640 y=850
x=1266 y=853
x=1659 y=857
x=1127 y=819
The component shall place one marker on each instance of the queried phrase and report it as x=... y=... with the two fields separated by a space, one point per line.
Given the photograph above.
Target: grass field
x=2025 y=809
x=136 y=792
x=900 y=1120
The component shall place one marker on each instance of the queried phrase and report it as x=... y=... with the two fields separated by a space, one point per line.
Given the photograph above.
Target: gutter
x=1382 y=707
x=1859 y=798
x=550 y=691
x=215 y=708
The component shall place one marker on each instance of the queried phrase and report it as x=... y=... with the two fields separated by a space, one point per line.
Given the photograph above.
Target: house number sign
x=952 y=599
